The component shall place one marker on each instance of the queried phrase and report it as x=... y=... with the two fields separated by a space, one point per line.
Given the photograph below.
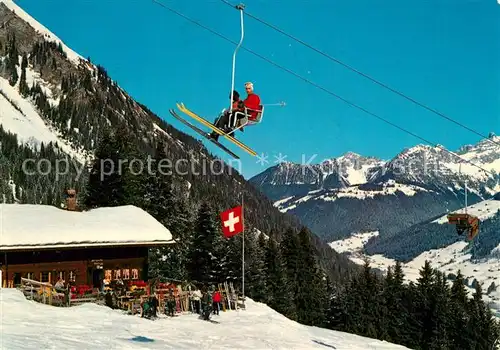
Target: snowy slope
x=483 y=210
x=25 y=325
x=19 y=116
x=48 y=35
x=26 y=122
x=354 y=243
x=449 y=260
x=354 y=192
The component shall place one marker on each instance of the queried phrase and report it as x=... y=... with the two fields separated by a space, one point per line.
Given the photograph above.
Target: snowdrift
x=26 y=324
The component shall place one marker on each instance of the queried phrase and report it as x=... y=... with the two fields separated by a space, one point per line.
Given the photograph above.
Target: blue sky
x=443 y=53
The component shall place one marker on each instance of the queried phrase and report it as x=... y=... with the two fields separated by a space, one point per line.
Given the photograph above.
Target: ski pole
x=282 y=104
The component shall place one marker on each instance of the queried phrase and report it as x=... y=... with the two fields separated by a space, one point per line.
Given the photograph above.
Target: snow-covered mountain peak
x=418 y=151
x=285 y=164
x=357 y=169
x=349 y=155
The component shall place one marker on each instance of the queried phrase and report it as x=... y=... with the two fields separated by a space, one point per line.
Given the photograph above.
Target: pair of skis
x=203 y=121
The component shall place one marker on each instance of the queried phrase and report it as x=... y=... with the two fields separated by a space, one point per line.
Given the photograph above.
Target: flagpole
x=243 y=247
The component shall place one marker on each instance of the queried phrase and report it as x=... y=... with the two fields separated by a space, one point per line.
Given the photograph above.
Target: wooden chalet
x=44 y=243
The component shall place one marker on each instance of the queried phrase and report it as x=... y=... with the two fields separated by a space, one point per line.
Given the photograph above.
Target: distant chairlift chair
x=464 y=221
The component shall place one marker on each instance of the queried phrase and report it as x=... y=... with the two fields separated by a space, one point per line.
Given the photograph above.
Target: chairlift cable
x=308 y=81
x=357 y=71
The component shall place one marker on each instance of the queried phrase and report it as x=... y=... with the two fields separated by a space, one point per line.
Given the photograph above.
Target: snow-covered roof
x=31 y=226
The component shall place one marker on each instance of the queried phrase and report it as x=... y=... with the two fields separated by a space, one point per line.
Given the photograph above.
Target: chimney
x=71 y=200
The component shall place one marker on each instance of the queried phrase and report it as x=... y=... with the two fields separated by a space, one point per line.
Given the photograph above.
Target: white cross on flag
x=232 y=221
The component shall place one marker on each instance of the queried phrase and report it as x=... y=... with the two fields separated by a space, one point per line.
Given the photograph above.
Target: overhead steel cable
x=357 y=71
x=317 y=85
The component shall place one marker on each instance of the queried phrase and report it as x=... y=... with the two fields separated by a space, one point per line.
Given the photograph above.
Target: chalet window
x=108 y=274
x=44 y=277
x=118 y=274
x=59 y=275
x=72 y=276
x=135 y=274
x=126 y=274
x=30 y=275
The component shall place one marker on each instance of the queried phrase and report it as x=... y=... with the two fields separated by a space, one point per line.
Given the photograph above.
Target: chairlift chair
x=464 y=221
x=248 y=121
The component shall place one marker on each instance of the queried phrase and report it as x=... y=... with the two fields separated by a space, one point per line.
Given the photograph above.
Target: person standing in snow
x=196 y=296
x=154 y=303
x=207 y=304
x=216 y=302
x=170 y=303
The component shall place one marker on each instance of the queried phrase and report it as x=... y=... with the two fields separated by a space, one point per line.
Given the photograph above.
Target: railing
x=39 y=291
x=46 y=293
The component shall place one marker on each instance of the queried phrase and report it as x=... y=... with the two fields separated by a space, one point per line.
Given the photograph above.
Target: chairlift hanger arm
x=240 y=7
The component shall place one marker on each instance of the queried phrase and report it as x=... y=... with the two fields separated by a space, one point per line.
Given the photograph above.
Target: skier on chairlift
x=241 y=113
x=227 y=117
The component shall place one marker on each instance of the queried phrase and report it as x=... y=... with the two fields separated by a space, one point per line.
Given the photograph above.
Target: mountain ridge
x=419 y=182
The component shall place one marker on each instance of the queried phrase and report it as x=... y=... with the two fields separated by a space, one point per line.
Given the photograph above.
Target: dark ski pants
x=215 y=306
x=228 y=120
x=197 y=306
x=207 y=311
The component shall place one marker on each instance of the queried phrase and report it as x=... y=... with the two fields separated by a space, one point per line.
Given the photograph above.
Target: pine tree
x=111 y=181
x=23 y=86
x=351 y=307
x=310 y=294
x=12 y=59
x=202 y=265
x=291 y=250
x=280 y=296
x=459 y=319
x=440 y=302
x=255 y=276
x=158 y=200
x=427 y=310
x=182 y=229
x=336 y=313
x=158 y=197
x=105 y=185
x=372 y=308
x=485 y=326
x=227 y=253
x=397 y=315
x=170 y=261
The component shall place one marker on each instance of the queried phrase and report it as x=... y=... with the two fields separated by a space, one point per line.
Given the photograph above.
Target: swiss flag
x=232 y=221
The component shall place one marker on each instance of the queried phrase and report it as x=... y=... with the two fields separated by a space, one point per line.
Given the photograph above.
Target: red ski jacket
x=253 y=102
x=216 y=297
